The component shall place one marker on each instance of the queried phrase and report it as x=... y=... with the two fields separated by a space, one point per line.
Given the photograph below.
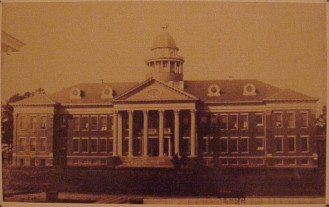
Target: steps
x=146 y=162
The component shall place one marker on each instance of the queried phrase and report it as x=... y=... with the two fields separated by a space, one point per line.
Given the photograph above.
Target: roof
x=287 y=94
x=231 y=92
x=38 y=99
x=8 y=41
x=164 y=40
x=92 y=92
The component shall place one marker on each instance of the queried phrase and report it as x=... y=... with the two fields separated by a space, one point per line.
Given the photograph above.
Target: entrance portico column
x=176 y=115
x=145 y=133
x=115 y=133
x=161 y=133
x=130 y=134
x=119 y=134
x=192 y=133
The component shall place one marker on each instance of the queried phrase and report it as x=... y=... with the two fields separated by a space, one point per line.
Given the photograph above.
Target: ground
x=109 y=185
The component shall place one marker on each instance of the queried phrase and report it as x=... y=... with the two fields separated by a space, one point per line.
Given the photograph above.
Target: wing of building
x=246 y=123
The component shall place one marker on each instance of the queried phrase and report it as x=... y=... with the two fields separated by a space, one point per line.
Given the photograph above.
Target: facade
x=147 y=123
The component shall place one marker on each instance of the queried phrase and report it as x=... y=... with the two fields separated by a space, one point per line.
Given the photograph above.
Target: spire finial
x=164 y=26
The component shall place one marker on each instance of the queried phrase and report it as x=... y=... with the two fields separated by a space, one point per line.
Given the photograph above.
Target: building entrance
x=153 y=146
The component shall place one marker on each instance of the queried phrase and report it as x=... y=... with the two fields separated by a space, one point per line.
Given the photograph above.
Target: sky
x=66 y=43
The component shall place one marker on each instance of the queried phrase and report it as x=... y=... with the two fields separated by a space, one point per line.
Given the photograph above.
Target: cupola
x=164 y=62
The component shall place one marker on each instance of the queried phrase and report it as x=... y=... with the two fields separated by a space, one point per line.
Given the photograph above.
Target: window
x=234 y=121
x=290 y=161
x=278 y=119
x=93 y=145
x=223 y=145
x=84 y=123
x=110 y=122
x=103 y=161
x=102 y=145
x=42 y=162
x=234 y=162
x=304 y=143
x=84 y=145
x=278 y=144
x=93 y=123
x=291 y=120
x=304 y=162
x=32 y=162
x=259 y=119
x=32 y=144
x=43 y=122
x=103 y=121
x=76 y=145
x=76 y=123
x=244 y=121
x=244 y=162
x=33 y=122
x=244 y=145
x=63 y=122
x=278 y=162
x=259 y=162
x=43 y=144
x=22 y=144
x=223 y=121
x=291 y=144
x=111 y=146
x=21 y=162
x=207 y=145
x=23 y=122
x=234 y=144
x=304 y=119
x=260 y=143
x=224 y=162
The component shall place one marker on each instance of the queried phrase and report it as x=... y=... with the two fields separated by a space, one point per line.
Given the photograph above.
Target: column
x=145 y=133
x=160 y=133
x=130 y=134
x=176 y=115
x=119 y=134
x=192 y=138
x=115 y=133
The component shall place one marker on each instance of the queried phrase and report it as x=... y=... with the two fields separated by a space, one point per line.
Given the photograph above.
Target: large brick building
x=145 y=124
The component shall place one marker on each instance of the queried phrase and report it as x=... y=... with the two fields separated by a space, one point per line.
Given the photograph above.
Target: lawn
x=166 y=182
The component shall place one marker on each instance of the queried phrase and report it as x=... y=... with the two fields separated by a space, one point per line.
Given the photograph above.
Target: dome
x=164 y=40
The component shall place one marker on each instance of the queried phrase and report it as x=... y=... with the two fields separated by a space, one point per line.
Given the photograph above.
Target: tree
x=321 y=122
x=6 y=123
x=215 y=132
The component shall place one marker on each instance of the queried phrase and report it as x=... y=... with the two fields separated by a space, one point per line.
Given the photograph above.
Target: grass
x=166 y=182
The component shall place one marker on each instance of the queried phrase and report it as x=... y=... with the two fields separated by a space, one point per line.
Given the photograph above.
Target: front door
x=153 y=146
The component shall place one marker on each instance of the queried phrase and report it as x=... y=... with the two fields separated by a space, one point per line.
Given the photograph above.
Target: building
x=145 y=124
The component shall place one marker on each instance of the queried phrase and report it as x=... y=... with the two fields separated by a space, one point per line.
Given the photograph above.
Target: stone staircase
x=164 y=162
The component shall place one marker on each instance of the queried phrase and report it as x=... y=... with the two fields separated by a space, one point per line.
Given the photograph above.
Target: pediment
x=155 y=90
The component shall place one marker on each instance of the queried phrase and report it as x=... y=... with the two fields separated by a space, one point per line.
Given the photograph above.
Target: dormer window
x=214 y=90
x=75 y=93
x=107 y=92
x=249 y=90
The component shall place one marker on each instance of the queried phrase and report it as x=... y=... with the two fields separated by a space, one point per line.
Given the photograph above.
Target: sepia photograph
x=163 y=102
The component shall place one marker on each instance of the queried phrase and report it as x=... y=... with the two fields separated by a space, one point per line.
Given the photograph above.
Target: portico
x=155 y=132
